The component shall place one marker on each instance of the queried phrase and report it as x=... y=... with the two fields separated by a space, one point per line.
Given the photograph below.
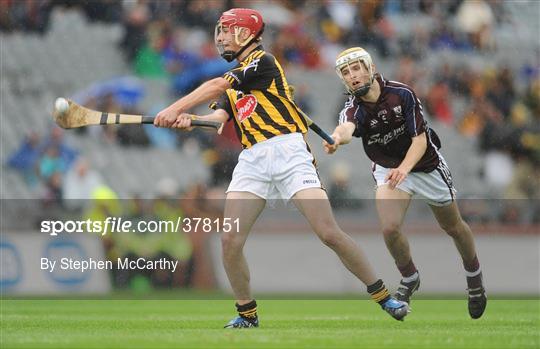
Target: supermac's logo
x=245 y=107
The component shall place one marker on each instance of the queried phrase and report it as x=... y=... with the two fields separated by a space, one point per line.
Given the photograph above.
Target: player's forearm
x=344 y=133
x=209 y=90
x=414 y=154
x=219 y=115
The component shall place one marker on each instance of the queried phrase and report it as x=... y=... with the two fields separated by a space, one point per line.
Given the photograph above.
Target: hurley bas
x=83 y=265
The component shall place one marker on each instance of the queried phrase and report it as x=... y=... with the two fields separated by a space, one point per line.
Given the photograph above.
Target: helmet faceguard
x=348 y=58
x=238 y=21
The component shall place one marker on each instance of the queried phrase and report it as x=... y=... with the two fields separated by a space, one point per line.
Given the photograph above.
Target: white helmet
x=346 y=59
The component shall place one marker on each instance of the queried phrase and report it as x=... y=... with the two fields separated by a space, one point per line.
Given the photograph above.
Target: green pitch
x=284 y=324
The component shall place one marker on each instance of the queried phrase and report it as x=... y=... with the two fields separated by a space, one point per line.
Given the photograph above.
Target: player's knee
x=455 y=227
x=328 y=232
x=453 y=230
x=331 y=239
x=391 y=230
x=331 y=235
x=230 y=242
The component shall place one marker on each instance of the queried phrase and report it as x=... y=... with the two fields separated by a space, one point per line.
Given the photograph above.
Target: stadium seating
x=38 y=69
x=74 y=53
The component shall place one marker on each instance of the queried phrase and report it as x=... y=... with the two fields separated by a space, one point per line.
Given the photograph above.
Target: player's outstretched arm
x=342 y=135
x=183 y=121
x=209 y=90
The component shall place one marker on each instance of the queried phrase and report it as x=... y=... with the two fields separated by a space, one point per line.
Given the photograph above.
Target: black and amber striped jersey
x=259 y=100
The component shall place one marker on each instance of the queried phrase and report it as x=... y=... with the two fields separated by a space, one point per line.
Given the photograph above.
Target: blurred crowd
x=44 y=162
x=497 y=107
x=307 y=33
x=496 y=104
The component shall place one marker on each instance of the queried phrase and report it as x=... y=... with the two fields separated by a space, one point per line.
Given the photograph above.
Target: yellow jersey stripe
x=274 y=95
x=275 y=112
x=258 y=54
x=286 y=98
x=277 y=117
x=254 y=134
x=297 y=118
x=290 y=113
x=251 y=57
x=283 y=82
x=264 y=126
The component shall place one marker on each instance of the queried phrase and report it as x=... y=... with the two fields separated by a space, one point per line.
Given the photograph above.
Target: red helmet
x=238 y=20
x=243 y=18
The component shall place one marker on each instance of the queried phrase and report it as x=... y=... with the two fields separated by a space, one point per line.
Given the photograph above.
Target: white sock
x=411 y=278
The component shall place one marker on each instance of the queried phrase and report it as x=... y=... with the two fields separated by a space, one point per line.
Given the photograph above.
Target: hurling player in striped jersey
x=276 y=161
x=388 y=117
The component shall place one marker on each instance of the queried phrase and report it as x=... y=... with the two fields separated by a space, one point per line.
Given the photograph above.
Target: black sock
x=248 y=310
x=379 y=293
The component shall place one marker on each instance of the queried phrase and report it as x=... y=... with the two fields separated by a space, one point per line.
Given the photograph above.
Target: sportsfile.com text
x=121 y=225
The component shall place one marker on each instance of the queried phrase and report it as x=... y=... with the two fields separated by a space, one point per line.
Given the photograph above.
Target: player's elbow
x=220 y=115
x=346 y=139
x=421 y=140
x=347 y=131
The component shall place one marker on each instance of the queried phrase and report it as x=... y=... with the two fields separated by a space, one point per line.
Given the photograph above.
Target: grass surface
x=284 y=324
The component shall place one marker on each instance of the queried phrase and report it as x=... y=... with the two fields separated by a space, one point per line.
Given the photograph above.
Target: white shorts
x=277 y=168
x=436 y=187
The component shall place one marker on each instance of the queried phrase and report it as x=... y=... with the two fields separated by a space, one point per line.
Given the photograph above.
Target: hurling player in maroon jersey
x=388 y=117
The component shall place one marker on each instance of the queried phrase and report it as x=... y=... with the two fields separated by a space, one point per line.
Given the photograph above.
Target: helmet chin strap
x=230 y=56
x=363 y=90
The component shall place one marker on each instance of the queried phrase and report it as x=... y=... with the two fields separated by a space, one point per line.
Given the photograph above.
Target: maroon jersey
x=387 y=126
